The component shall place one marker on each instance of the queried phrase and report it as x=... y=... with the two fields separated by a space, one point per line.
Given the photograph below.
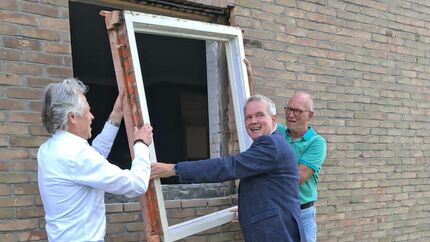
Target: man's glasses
x=296 y=111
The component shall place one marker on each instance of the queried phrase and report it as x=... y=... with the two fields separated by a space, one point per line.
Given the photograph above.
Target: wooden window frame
x=231 y=37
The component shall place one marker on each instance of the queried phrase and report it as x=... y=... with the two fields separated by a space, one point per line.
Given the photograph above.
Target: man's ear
x=311 y=114
x=71 y=118
x=275 y=119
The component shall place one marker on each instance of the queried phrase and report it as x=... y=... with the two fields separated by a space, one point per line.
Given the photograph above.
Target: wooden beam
x=125 y=5
x=125 y=76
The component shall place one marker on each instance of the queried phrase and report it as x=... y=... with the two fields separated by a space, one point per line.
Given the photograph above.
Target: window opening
x=129 y=73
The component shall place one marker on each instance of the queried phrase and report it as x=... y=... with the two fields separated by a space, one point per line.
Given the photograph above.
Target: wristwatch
x=113 y=123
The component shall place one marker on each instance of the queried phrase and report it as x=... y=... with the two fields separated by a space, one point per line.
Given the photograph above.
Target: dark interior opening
x=174 y=74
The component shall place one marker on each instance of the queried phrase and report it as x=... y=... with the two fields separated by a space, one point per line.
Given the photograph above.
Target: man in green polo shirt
x=310 y=149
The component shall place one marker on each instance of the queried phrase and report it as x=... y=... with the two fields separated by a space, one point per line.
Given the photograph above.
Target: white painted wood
x=144 y=23
x=232 y=38
x=239 y=88
x=203 y=223
x=146 y=119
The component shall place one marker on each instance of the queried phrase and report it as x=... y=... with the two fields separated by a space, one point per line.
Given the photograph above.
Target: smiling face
x=258 y=121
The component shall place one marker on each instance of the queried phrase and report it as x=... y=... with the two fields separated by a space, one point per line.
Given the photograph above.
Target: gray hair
x=271 y=107
x=60 y=99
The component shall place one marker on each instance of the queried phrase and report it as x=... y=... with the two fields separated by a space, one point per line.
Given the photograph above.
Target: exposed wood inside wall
x=195 y=11
x=132 y=112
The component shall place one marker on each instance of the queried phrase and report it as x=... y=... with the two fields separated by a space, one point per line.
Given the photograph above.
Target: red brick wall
x=34 y=50
x=367 y=64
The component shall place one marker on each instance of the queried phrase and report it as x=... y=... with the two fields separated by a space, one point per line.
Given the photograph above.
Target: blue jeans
x=309 y=223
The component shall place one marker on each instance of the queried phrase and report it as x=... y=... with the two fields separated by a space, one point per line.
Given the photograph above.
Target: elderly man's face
x=257 y=120
x=297 y=114
x=83 y=122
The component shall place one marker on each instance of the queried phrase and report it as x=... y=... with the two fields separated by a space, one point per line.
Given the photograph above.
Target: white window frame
x=232 y=39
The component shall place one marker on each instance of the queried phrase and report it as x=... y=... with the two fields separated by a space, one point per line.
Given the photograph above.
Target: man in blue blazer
x=269 y=207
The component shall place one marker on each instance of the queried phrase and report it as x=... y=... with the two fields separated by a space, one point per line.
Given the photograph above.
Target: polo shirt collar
x=309 y=133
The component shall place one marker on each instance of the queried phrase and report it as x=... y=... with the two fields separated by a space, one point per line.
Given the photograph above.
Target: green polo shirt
x=310 y=150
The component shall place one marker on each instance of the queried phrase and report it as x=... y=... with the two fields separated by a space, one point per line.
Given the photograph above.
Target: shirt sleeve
x=92 y=169
x=314 y=155
x=260 y=158
x=104 y=141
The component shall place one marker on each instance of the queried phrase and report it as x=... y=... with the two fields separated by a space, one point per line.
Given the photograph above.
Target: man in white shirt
x=72 y=175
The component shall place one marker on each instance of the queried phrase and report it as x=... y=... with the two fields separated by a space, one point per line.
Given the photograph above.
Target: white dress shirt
x=73 y=177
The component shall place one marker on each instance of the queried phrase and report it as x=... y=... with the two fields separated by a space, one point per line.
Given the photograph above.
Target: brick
x=134 y=227
x=181 y=213
x=32 y=236
x=24 y=69
x=18 y=18
x=4 y=141
x=6 y=166
x=19 y=224
x=10 y=80
x=44 y=58
x=15 y=177
x=226 y=201
x=251 y=4
x=57 y=48
x=9 y=4
x=7 y=237
x=123 y=217
x=24 y=93
x=126 y=237
x=40 y=9
x=8 y=29
x=67 y=60
x=195 y=238
x=287 y=3
x=114 y=208
x=25 y=117
x=35 y=106
x=40 y=81
x=7 y=104
x=172 y=204
x=42 y=34
x=206 y=210
x=30 y=212
x=276 y=9
x=5 y=189
x=9 y=54
x=55 y=24
x=65 y=36
x=33 y=152
x=62 y=72
x=60 y=3
x=115 y=228
x=38 y=130
x=8 y=154
x=20 y=201
x=21 y=43
x=194 y=203
x=38 y=202
x=26 y=189
x=25 y=165
x=132 y=207
x=7 y=213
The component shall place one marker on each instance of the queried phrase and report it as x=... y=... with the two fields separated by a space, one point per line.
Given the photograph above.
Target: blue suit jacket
x=269 y=207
